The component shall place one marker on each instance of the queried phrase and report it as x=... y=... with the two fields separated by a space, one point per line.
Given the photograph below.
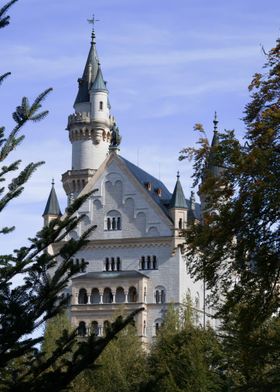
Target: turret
x=90 y=127
x=178 y=211
x=211 y=168
x=52 y=209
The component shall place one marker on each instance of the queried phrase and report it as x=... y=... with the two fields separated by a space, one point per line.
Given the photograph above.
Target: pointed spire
x=89 y=74
x=99 y=84
x=212 y=166
x=178 y=198
x=52 y=206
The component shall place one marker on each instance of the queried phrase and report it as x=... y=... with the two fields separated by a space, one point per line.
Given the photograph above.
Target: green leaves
x=25 y=112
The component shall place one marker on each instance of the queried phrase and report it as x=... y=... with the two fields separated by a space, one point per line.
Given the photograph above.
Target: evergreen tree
x=237 y=248
x=28 y=306
x=185 y=358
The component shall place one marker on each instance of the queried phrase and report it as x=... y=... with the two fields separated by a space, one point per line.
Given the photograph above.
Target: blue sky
x=169 y=64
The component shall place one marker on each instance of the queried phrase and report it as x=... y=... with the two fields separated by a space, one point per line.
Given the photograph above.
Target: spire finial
x=52 y=182
x=178 y=175
x=215 y=122
x=93 y=21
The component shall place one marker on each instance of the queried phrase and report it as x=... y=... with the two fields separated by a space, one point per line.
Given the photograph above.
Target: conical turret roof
x=90 y=72
x=52 y=206
x=99 y=84
x=178 y=198
x=211 y=166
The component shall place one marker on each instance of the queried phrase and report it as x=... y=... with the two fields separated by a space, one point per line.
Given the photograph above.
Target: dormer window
x=148 y=186
x=158 y=191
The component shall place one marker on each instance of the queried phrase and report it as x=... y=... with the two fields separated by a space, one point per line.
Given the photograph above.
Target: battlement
x=78 y=118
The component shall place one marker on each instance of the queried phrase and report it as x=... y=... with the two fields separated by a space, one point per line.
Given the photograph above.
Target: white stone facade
x=134 y=255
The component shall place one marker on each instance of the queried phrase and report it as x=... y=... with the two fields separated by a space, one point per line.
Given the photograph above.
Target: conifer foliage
x=237 y=247
x=26 y=307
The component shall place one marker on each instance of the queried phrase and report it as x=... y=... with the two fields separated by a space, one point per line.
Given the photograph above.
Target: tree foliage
x=185 y=357
x=26 y=307
x=237 y=246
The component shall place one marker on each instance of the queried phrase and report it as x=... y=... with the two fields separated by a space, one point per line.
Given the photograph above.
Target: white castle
x=136 y=254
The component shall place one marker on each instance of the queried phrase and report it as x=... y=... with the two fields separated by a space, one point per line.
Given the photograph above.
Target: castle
x=136 y=254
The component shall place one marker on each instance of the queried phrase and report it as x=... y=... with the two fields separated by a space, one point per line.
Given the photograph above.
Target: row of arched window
x=112 y=264
x=79 y=261
x=108 y=296
x=119 y=296
x=94 y=328
x=148 y=263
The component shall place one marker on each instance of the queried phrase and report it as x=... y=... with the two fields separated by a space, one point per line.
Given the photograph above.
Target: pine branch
x=5 y=20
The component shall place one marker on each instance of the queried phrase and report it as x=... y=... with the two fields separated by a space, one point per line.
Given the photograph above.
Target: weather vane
x=93 y=20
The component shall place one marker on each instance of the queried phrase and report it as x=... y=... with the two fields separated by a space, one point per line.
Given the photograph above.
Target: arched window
x=160 y=295
x=112 y=264
x=120 y=296
x=95 y=296
x=118 y=223
x=107 y=296
x=145 y=294
x=107 y=264
x=113 y=221
x=148 y=263
x=94 y=328
x=118 y=264
x=144 y=328
x=157 y=325
x=106 y=326
x=154 y=262
x=157 y=296
x=83 y=298
x=180 y=223
x=100 y=105
x=132 y=294
x=82 y=330
x=114 y=226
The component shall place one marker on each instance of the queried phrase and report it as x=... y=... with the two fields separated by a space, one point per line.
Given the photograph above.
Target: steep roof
x=89 y=74
x=99 y=84
x=154 y=187
x=178 y=198
x=211 y=164
x=52 y=206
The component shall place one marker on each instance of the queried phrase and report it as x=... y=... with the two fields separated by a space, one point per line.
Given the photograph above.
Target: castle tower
x=211 y=168
x=90 y=127
x=52 y=209
x=178 y=210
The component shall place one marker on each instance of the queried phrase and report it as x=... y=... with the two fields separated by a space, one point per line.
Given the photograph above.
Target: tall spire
x=89 y=74
x=178 y=198
x=212 y=159
x=52 y=206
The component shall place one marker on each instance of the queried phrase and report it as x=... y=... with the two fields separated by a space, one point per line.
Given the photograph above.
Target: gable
x=122 y=207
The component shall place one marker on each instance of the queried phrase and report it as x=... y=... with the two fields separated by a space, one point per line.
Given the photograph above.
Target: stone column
x=126 y=296
x=114 y=297
x=88 y=295
x=101 y=296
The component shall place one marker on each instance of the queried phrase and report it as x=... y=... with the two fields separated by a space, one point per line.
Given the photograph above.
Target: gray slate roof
x=86 y=80
x=211 y=166
x=178 y=198
x=145 y=178
x=99 y=84
x=52 y=206
x=166 y=197
x=110 y=275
